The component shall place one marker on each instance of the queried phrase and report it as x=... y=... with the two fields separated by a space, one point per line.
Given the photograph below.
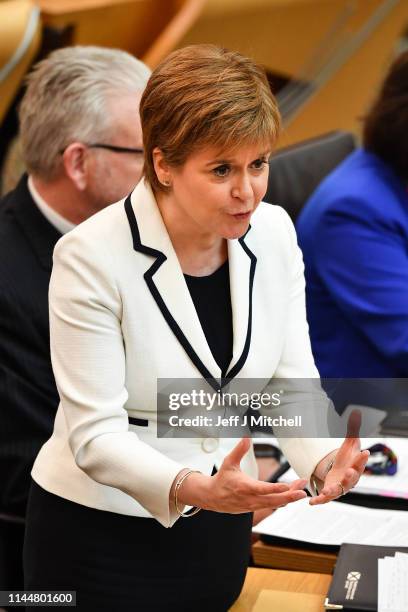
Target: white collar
x=57 y=220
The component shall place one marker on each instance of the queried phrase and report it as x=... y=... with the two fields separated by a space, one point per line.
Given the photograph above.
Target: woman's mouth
x=242 y=216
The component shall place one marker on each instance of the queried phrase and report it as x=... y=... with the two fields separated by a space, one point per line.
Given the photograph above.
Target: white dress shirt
x=57 y=220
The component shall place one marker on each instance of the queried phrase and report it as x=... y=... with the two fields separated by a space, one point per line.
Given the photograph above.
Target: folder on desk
x=355 y=580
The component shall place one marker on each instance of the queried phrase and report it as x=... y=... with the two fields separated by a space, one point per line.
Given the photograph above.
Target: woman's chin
x=233 y=233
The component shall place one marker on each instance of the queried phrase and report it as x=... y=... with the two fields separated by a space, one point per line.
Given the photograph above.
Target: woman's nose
x=242 y=188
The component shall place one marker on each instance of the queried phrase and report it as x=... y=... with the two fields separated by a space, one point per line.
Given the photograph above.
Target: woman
x=173 y=283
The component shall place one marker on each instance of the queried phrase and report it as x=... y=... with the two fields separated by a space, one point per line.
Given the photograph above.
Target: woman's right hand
x=231 y=490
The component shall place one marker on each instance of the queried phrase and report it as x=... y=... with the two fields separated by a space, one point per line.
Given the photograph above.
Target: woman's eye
x=258 y=164
x=222 y=171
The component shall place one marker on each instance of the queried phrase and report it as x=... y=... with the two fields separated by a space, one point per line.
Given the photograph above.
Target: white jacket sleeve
x=88 y=358
x=297 y=363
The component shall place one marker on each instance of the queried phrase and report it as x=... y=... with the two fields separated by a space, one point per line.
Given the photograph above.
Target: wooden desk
x=297 y=559
x=299 y=582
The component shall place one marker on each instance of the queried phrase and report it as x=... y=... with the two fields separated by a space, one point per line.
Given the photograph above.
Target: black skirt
x=123 y=563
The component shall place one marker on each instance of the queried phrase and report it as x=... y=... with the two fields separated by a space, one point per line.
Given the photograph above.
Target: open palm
x=348 y=464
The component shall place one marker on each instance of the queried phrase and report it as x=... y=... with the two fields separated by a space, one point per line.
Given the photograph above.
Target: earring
x=166 y=183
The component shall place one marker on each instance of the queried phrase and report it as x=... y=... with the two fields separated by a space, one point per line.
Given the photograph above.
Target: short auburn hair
x=386 y=123
x=203 y=95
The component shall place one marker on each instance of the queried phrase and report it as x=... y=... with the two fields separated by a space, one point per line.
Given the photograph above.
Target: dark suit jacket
x=28 y=395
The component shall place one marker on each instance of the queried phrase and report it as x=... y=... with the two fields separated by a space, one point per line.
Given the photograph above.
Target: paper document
x=335 y=523
x=392 y=583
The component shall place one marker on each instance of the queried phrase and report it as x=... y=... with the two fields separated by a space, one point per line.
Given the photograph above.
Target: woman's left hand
x=348 y=465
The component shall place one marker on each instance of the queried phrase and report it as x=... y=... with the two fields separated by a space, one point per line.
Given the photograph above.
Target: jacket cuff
x=305 y=453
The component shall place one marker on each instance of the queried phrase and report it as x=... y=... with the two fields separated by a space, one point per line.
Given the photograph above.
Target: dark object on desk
x=355 y=580
x=382 y=460
x=295 y=171
x=395 y=424
x=381 y=502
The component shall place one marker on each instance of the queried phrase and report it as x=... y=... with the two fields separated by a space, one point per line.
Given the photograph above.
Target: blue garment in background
x=354 y=235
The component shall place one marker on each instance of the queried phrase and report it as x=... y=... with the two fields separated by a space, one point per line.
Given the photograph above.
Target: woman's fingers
x=350 y=476
x=323 y=498
x=260 y=515
x=242 y=493
x=281 y=499
x=332 y=490
x=352 y=440
x=353 y=425
x=235 y=492
x=301 y=483
x=361 y=460
x=348 y=479
x=354 y=472
x=349 y=447
x=277 y=498
x=234 y=458
x=258 y=487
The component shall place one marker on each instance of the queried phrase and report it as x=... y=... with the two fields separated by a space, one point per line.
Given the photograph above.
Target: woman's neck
x=200 y=253
x=202 y=262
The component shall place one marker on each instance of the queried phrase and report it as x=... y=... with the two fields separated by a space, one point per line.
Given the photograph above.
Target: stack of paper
x=392 y=583
x=335 y=523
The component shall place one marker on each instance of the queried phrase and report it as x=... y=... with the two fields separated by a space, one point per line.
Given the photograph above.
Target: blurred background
x=324 y=58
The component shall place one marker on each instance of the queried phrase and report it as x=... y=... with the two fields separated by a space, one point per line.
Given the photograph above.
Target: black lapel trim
x=138 y=422
x=241 y=361
x=148 y=276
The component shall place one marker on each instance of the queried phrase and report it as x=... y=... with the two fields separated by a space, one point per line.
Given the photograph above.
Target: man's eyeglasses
x=98 y=145
x=114 y=148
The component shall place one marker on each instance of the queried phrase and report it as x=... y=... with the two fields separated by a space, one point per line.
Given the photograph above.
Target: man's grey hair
x=67 y=100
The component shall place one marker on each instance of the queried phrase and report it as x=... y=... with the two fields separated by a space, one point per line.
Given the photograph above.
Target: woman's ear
x=161 y=167
x=75 y=164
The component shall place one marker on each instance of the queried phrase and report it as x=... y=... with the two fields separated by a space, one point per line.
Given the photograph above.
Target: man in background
x=81 y=141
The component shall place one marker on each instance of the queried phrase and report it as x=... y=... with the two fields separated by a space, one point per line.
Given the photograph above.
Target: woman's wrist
x=173 y=486
x=193 y=490
x=324 y=466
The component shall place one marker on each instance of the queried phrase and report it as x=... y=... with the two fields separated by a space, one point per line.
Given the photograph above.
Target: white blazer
x=121 y=317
